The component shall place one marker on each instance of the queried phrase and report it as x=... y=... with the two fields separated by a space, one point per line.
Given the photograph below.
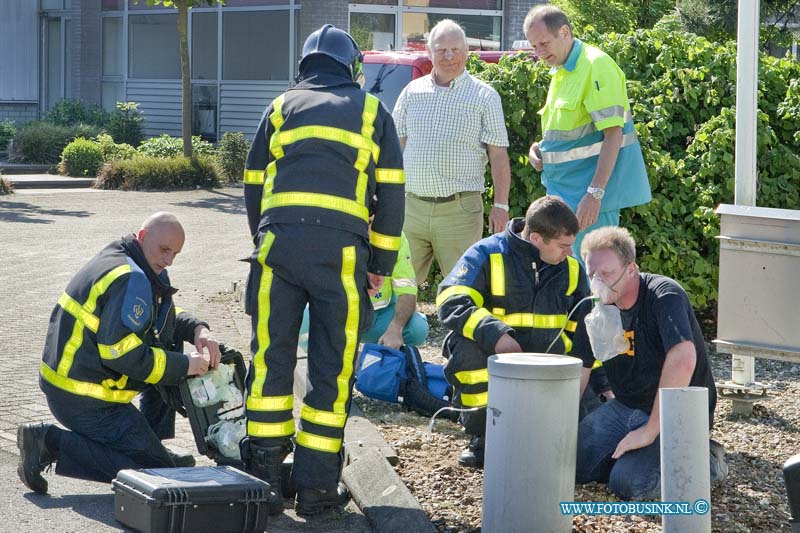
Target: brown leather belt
x=442 y=199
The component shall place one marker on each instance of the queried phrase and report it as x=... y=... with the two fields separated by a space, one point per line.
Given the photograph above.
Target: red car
x=386 y=73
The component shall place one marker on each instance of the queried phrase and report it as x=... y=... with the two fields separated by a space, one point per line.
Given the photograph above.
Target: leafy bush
x=231 y=156
x=7 y=132
x=70 y=112
x=6 y=186
x=126 y=124
x=40 y=142
x=166 y=146
x=112 y=150
x=146 y=172
x=81 y=157
x=682 y=90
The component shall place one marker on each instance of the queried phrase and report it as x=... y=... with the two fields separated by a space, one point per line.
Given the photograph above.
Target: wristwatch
x=596 y=192
x=498 y=205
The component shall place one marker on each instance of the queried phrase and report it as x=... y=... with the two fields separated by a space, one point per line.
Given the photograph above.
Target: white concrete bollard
x=685 y=468
x=531 y=441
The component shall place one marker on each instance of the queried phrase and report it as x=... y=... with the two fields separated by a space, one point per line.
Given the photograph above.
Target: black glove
x=171 y=395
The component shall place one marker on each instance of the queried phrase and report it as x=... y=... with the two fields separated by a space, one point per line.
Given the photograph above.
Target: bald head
x=162 y=238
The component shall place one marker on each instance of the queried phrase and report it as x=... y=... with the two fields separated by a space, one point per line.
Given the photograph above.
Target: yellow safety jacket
x=327 y=153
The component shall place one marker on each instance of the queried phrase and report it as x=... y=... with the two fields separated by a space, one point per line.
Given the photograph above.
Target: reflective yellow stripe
x=498 y=311
x=531 y=320
x=179 y=310
x=115 y=351
x=159 y=365
x=324 y=201
x=390 y=175
x=472 y=322
x=474 y=295
x=262 y=332
x=498 y=275
x=567 y=343
x=253 y=177
x=72 y=307
x=472 y=377
x=83 y=388
x=315 y=442
x=270 y=403
x=384 y=242
x=475 y=400
x=323 y=418
x=368 y=116
x=571 y=326
x=574 y=272
x=597 y=364
x=264 y=429
x=276 y=118
x=118 y=384
x=350 y=329
x=76 y=339
x=326 y=133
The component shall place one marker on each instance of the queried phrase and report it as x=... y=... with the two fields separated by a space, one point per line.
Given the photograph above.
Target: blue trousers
x=103 y=438
x=634 y=476
x=414 y=333
x=605 y=218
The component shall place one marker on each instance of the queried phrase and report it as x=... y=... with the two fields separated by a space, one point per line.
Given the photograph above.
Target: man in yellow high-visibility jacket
x=589 y=154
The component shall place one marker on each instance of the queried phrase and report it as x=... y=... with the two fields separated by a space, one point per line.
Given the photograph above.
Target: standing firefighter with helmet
x=325 y=157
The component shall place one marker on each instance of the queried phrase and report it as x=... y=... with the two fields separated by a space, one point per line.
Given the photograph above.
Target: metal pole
x=685 y=466
x=531 y=442
x=743 y=368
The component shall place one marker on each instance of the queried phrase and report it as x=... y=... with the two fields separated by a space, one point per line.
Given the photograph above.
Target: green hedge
x=43 y=142
x=166 y=146
x=7 y=131
x=81 y=157
x=683 y=89
x=231 y=156
x=147 y=173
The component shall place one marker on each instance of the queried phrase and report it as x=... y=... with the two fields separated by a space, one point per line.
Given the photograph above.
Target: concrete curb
x=48 y=181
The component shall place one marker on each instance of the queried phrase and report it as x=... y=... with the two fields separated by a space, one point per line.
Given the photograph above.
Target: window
x=112 y=93
x=204 y=46
x=373 y=31
x=483 y=33
x=153 y=47
x=456 y=4
x=255 y=45
x=204 y=111
x=111 y=5
x=112 y=46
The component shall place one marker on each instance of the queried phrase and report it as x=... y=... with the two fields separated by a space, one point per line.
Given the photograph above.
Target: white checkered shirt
x=447 y=130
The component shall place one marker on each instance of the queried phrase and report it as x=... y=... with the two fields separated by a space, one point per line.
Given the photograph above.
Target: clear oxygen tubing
x=558 y=335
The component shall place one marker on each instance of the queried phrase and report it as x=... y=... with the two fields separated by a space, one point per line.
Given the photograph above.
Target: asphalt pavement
x=45 y=237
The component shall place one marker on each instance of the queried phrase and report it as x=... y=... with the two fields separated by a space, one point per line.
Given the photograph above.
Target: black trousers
x=466 y=371
x=294 y=265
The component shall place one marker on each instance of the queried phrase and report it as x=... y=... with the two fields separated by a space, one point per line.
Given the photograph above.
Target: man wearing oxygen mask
x=516 y=291
x=662 y=346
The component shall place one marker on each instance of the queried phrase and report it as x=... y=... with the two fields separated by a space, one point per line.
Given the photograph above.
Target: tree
x=717 y=19
x=620 y=16
x=183 y=7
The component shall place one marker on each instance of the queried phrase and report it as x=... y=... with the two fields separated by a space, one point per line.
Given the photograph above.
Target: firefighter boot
x=314 y=501
x=34 y=455
x=182 y=458
x=266 y=463
x=473 y=455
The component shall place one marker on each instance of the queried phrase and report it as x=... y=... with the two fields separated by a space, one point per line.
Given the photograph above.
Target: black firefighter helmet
x=336 y=44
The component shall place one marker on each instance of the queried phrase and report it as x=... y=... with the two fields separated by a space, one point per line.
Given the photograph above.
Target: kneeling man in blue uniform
x=114 y=333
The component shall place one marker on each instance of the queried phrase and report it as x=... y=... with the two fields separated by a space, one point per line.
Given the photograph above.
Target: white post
x=685 y=464
x=531 y=442
x=743 y=368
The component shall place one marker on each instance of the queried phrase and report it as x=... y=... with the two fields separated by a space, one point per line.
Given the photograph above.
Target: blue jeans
x=634 y=476
x=604 y=218
x=414 y=333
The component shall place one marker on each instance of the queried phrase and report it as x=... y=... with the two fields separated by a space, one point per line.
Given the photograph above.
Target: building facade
x=242 y=54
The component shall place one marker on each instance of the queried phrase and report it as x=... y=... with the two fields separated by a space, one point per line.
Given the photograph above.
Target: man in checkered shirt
x=450 y=124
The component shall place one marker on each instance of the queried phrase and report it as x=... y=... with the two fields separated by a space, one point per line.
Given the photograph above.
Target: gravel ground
x=753 y=498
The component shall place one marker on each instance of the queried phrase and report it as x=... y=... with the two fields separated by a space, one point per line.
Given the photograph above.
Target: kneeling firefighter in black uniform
x=325 y=157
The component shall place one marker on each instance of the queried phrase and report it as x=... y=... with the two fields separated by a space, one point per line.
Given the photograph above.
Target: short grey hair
x=614 y=238
x=443 y=27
